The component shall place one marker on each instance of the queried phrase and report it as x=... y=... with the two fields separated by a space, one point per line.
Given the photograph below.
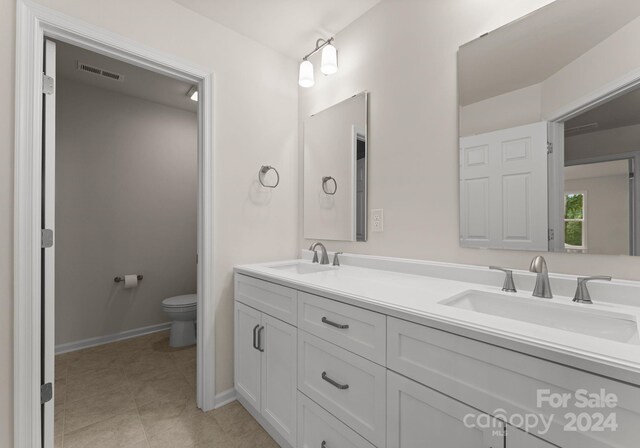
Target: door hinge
x=46 y=238
x=48 y=85
x=551 y=235
x=46 y=393
x=549 y=148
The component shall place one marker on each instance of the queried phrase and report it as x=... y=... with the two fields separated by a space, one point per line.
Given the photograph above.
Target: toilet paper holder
x=121 y=278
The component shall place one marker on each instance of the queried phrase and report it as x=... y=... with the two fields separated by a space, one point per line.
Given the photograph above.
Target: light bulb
x=329 y=63
x=305 y=78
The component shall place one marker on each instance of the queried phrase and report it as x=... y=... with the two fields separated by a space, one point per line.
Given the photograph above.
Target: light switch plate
x=377 y=220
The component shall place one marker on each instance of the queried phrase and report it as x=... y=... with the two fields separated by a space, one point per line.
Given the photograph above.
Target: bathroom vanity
x=395 y=353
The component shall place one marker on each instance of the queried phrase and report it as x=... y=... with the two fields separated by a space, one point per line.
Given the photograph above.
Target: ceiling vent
x=99 y=72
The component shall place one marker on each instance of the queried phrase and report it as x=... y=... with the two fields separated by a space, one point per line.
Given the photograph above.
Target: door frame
x=591 y=100
x=33 y=23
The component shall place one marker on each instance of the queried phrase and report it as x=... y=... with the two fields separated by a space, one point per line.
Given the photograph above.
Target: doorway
x=125 y=165
x=33 y=415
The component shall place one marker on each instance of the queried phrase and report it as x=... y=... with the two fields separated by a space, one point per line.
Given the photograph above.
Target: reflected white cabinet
x=266 y=366
x=420 y=417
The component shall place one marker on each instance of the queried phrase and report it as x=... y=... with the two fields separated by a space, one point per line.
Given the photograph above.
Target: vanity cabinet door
x=247 y=356
x=279 y=367
x=419 y=417
x=521 y=439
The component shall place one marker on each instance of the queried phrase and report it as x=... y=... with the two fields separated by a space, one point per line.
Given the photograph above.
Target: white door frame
x=33 y=23
x=593 y=99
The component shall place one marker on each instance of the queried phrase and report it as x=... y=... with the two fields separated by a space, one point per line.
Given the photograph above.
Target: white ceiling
x=138 y=82
x=530 y=50
x=290 y=27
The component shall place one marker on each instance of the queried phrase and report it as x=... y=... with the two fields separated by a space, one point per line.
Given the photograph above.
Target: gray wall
x=126 y=202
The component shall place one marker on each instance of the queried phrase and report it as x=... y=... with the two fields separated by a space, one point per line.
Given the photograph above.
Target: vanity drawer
x=317 y=428
x=348 y=386
x=491 y=379
x=358 y=330
x=276 y=300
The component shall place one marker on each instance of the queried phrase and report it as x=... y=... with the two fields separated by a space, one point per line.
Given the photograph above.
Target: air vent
x=99 y=72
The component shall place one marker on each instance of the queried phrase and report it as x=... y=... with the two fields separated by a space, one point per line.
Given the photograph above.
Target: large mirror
x=335 y=172
x=549 y=110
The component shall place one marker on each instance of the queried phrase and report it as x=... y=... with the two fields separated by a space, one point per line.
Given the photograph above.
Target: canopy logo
x=596 y=417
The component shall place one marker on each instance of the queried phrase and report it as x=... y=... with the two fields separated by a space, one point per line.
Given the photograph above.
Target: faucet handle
x=336 y=260
x=508 y=285
x=582 y=292
x=315 y=256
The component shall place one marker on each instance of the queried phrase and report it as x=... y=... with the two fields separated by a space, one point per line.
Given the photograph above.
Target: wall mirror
x=335 y=172
x=549 y=110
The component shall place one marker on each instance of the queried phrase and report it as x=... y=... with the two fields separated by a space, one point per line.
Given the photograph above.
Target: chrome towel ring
x=263 y=171
x=325 y=181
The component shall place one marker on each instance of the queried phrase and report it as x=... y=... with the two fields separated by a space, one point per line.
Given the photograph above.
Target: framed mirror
x=549 y=131
x=335 y=172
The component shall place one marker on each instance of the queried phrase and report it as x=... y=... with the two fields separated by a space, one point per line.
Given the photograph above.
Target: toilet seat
x=184 y=301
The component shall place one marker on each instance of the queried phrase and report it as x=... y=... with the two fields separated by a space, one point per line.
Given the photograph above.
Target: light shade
x=305 y=78
x=194 y=96
x=329 y=63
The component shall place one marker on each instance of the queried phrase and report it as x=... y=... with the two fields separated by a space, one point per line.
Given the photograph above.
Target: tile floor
x=140 y=393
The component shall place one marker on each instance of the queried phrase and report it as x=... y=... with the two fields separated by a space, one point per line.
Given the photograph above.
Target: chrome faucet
x=325 y=256
x=582 y=293
x=336 y=260
x=508 y=285
x=542 y=288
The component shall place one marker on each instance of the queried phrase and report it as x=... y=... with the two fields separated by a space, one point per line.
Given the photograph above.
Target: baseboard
x=225 y=397
x=100 y=340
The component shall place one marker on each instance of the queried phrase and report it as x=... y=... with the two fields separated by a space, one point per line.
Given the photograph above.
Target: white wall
x=254 y=122
x=126 y=202
x=567 y=88
x=517 y=108
x=607 y=212
x=404 y=53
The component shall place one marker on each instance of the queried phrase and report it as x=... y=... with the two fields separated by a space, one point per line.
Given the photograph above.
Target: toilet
x=182 y=310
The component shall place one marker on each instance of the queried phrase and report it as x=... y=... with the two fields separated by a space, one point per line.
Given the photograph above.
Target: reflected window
x=574 y=221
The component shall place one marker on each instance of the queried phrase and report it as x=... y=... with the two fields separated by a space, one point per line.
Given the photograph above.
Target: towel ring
x=263 y=171
x=325 y=180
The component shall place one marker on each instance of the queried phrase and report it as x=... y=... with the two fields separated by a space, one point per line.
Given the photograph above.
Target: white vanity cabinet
x=265 y=370
x=420 y=417
x=321 y=373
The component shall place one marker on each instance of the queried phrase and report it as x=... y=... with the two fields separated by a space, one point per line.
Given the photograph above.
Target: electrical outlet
x=377 y=220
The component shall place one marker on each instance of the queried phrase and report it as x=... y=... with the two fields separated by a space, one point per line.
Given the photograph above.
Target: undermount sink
x=303 y=267
x=608 y=325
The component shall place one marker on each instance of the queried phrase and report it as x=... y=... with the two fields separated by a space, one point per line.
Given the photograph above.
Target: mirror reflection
x=550 y=131
x=335 y=172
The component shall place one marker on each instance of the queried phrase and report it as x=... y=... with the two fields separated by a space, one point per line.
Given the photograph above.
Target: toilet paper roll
x=130 y=281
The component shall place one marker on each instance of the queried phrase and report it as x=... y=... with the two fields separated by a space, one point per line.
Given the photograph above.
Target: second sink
x=608 y=325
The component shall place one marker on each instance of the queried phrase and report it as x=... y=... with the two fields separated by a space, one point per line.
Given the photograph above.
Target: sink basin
x=303 y=267
x=608 y=325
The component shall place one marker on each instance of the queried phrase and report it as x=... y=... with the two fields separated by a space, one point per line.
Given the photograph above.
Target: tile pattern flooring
x=140 y=393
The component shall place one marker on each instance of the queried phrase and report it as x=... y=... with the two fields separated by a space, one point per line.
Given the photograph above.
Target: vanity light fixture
x=328 y=64
x=193 y=93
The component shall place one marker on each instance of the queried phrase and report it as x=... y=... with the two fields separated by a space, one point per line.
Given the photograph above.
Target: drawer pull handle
x=333 y=324
x=323 y=444
x=255 y=344
x=334 y=383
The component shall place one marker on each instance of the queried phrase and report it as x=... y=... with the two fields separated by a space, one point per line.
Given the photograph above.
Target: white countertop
x=416 y=298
